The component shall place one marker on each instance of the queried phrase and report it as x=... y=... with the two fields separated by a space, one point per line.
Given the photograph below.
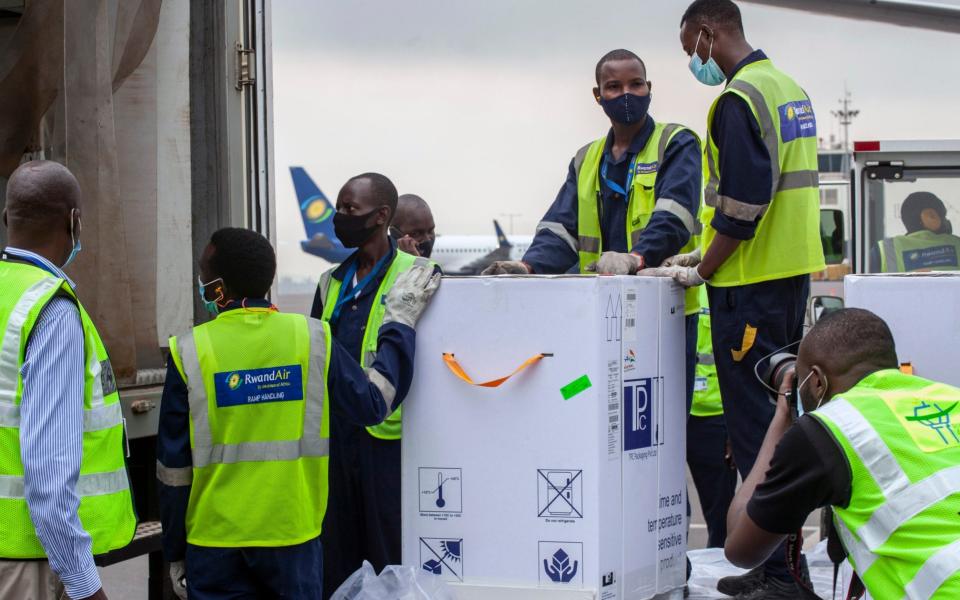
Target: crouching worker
x=245 y=428
x=880 y=447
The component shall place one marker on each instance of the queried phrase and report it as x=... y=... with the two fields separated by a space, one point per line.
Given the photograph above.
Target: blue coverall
x=294 y=572
x=363 y=516
x=776 y=308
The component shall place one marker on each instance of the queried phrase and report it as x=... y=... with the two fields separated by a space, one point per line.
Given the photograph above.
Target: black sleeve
x=808 y=471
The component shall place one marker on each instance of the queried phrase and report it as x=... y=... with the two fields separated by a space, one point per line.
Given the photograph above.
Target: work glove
x=616 y=263
x=690 y=259
x=686 y=276
x=178 y=575
x=507 y=267
x=410 y=295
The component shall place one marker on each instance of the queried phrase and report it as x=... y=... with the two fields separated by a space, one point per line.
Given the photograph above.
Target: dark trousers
x=776 y=310
x=715 y=481
x=294 y=572
x=363 y=514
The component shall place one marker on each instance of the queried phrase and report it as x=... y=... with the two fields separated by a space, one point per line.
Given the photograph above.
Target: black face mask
x=424 y=248
x=352 y=230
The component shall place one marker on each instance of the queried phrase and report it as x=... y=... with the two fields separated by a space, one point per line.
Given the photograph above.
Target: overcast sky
x=479 y=106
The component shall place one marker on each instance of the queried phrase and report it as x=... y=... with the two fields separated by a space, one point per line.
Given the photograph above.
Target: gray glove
x=178 y=575
x=685 y=276
x=507 y=267
x=616 y=263
x=690 y=259
x=410 y=295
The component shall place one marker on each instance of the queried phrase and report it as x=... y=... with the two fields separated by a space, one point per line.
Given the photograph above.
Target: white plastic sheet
x=394 y=583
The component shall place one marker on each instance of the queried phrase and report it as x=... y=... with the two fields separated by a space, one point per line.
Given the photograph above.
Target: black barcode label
x=630 y=322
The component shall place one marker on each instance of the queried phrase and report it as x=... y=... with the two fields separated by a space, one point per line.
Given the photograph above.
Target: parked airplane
x=923 y=15
x=456 y=254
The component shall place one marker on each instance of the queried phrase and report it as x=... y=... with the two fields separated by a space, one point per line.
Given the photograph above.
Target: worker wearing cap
x=880 y=447
x=762 y=235
x=64 y=491
x=244 y=435
x=363 y=520
x=928 y=245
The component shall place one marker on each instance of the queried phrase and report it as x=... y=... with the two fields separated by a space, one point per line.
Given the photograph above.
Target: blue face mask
x=211 y=305
x=626 y=109
x=75 y=238
x=708 y=73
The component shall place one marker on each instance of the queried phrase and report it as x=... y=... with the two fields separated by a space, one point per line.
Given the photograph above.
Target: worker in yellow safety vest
x=761 y=237
x=245 y=426
x=64 y=491
x=708 y=449
x=363 y=520
x=878 y=446
x=928 y=245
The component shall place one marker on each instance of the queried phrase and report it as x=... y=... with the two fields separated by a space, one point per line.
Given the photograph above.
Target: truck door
x=909 y=198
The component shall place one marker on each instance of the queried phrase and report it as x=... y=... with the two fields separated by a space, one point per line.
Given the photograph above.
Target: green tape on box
x=577 y=386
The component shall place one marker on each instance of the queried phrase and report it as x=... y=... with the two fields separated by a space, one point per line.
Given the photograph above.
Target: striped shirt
x=51 y=436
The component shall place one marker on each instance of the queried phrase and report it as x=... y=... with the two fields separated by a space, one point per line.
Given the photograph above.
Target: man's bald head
x=848 y=341
x=40 y=197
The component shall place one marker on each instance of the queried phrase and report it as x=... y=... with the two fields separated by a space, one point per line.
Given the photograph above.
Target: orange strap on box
x=457 y=370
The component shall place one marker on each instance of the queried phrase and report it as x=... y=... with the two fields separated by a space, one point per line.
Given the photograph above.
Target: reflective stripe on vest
x=391 y=428
x=787 y=240
x=105 y=507
x=310 y=444
x=882 y=533
x=641 y=203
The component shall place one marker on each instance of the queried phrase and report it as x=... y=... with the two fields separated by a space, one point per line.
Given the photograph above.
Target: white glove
x=178 y=575
x=616 y=263
x=507 y=267
x=685 y=276
x=690 y=259
x=410 y=295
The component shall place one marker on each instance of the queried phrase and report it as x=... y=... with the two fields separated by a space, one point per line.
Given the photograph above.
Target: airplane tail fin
x=502 y=240
x=315 y=209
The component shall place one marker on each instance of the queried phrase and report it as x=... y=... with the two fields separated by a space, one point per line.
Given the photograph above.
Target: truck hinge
x=245 y=66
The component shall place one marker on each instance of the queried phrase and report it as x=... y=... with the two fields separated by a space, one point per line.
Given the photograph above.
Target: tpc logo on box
x=640 y=427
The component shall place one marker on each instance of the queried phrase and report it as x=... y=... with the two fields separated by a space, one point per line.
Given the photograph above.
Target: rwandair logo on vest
x=646 y=168
x=233 y=382
x=931 y=425
x=256 y=386
x=797 y=120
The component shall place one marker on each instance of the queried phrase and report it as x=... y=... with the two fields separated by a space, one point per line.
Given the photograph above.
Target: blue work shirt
x=746 y=172
x=678 y=178
x=354 y=398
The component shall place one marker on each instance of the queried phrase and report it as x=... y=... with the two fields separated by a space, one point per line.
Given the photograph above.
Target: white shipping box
x=569 y=476
x=923 y=312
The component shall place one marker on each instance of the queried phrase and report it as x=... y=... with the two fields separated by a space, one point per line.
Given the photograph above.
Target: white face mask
x=800 y=410
x=74 y=237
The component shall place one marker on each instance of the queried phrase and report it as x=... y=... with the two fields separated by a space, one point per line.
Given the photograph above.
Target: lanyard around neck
x=613 y=185
x=347 y=293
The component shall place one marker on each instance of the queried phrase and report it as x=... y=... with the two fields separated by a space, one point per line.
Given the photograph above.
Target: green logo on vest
x=936 y=431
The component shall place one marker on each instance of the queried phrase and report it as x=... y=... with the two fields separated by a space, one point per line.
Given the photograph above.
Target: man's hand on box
x=616 y=263
x=507 y=267
x=690 y=259
x=410 y=295
x=685 y=276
